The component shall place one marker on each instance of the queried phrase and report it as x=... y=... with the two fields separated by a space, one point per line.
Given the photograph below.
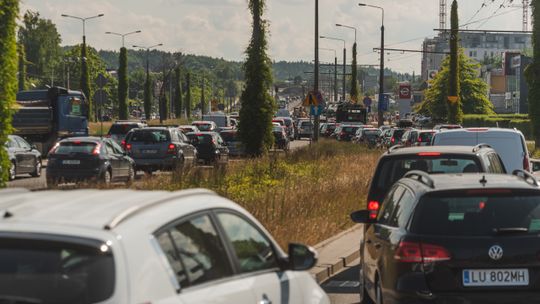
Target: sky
x=221 y=28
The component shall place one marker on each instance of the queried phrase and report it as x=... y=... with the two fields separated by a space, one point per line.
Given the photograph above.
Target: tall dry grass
x=305 y=196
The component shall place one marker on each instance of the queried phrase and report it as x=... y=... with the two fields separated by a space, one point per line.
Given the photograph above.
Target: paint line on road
x=342 y=284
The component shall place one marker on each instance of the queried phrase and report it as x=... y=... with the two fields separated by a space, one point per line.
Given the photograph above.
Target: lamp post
x=147 y=108
x=381 y=75
x=349 y=27
x=83 y=22
x=123 y=35
x=344 y=61
x=354 y=71
x=335 y=70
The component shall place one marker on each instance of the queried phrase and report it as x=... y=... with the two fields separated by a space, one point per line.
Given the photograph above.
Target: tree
x=188 y=95
x=532 y=73
x=455 y=112
x=255 y=128
x=203 y=99
x=9 y=10
x=148 y=97
x=472 y=96
x=22 y=67
x=354 y=78
x=178 y=92
x=41 y=42
x=122 y=85
x=85 y=81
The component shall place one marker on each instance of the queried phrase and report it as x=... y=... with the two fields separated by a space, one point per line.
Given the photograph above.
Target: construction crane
x=525 y=15
x=442 y=14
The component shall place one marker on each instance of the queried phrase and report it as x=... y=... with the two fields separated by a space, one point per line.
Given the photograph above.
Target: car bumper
x=73 y=175
x=157 y=163
x=466 y=297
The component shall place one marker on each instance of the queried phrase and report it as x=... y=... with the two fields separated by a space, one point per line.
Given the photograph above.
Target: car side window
x=497 y=165
x=200 y=250
x=11 y=143
x=117 y=149
x=253 y=249
x=173 y=256
x=389 y=205
x=174 y=136
x=109 y=148
x=402 y=210
x=22 y=143
x=183 y=137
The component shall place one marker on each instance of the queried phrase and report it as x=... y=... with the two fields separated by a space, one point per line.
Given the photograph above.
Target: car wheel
x=131 y=175
x=106 y=177
x=364 y=296
x=12 y=171
x=37 y=169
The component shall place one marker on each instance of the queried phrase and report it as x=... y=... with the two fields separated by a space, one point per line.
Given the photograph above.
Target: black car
x=159 y=148
x=210 y=146
x=77 y=159
x=327 y=129
x=397 y=161
x=346 y=132
x=281 y=140
x=457 y=238
x=24 y=158
x=393 y=138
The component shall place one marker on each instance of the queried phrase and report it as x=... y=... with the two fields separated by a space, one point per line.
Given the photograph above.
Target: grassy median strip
x=303 y=196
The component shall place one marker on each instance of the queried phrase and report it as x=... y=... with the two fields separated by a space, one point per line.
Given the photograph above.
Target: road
x=343 y=288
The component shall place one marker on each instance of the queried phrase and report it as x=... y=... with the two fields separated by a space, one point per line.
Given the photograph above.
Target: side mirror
x=34 y=147
x=362 y=217
x=301 y=257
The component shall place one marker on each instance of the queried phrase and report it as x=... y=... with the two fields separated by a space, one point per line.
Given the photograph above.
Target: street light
x=335 y=70
x=344 y=61
x=381 y=75
x=83 y=21
x=123 y=35
x=349 y=27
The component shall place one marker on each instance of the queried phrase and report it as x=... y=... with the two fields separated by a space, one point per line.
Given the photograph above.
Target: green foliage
x=122 y=85
x=9 y=10
x=203 y=100
x=473 y=95
x=178 y=92
x=41 y=42
x=520 y=122
x=188 y=95
x=354 y=81
x=532 y=74
x=455 y=112
x=22 y=67
x=255 y=128
x=148 y=97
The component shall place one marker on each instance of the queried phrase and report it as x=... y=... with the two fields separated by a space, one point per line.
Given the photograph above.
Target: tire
x=12 y=171
x=364 y=297
x=37 y=169
x=106 y=178
x=131 y=175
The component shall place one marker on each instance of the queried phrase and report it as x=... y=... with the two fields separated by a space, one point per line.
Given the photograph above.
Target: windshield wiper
x=509 y=230
x=4 y=299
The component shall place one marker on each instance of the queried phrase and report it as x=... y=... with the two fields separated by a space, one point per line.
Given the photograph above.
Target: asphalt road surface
x=343 y=288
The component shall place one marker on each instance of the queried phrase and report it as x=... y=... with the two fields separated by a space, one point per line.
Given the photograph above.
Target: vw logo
x=495 y=252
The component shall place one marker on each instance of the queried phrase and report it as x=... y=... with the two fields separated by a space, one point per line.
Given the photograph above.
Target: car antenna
x=483 y=181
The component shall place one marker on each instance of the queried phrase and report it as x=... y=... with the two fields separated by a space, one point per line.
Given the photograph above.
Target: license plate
x=149 y=151
x=71 y=162
x=495 y=277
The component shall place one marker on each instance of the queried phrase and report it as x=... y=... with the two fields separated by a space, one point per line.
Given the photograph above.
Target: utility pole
x=316 y=80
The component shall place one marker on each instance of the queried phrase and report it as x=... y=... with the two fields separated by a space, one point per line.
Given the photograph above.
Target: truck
x=351 y=113
x=45 y=116
x=222 y=120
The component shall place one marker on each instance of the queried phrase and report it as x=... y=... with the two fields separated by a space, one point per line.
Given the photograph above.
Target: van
x=508 y=143
x=222 y=121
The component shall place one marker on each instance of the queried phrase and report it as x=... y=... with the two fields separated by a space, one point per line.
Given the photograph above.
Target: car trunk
x=75 y=155
x=148 y=144
x=492 y=241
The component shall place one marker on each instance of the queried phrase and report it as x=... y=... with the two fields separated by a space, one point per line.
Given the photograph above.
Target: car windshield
x=277 y=129
x=349 y=129
x=229 y=136
x=204 y=126
x=392 y=169
x=121 y=129
x=50 y=271
x=477 y=214
x=76 y=147
x=149 y=136
x=201 y=138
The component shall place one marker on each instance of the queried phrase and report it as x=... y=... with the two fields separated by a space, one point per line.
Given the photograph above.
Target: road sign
x=310 y=100
x=101 y=80
x=384 y=102
x=367 y=101
x=452 y=99
x=100 y=97
x=320 y=99
x=316 y=110
x=405 y=91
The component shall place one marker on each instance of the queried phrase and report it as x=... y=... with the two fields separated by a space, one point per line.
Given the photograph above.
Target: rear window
x=372 y=132
x=288 y=122
x=201 y=138
x=67 y=148
x=350 y=129
x=121 y=129
x=484 y=215
x=229 y=136
x=305 y=124
x=425 y=136
x=393 y=169
x=204 y=127
x=53 y=271
x=149 y=136
x=398 y=133
x=280 y=122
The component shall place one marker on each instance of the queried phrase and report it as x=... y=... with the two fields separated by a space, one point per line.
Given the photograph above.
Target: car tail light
x=477 y=129
x=373 y=207
x=171 y=149
x=526 y=163
x=393 y=140
x=123 y=143
x=128 y=147
x=413 y=252
x=429 y=154
x=96 y=150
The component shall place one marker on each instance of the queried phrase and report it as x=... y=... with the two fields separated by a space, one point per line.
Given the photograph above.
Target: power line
x=495 y=12
x=480 y=20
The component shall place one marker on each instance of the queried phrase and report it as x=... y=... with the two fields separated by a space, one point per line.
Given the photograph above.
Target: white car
x=123 y=246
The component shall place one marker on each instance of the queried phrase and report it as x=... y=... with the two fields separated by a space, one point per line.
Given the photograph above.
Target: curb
x=326 y=270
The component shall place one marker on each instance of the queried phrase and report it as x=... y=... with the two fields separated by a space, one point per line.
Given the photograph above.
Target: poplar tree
x=455 y=112
x=147 y=97
x=178 y=93
x=22 y=67
x=255 y=127
x=188 y=95
x=122 y=85
x=532 y=73
x=85 y=81
x=354 y=77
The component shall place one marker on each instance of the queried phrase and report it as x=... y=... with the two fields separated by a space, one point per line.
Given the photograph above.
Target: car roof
x=482 y=130
x=202 y=122
x=400 y=150
x=94 y=209
x=469 y=181
x=86 y=138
